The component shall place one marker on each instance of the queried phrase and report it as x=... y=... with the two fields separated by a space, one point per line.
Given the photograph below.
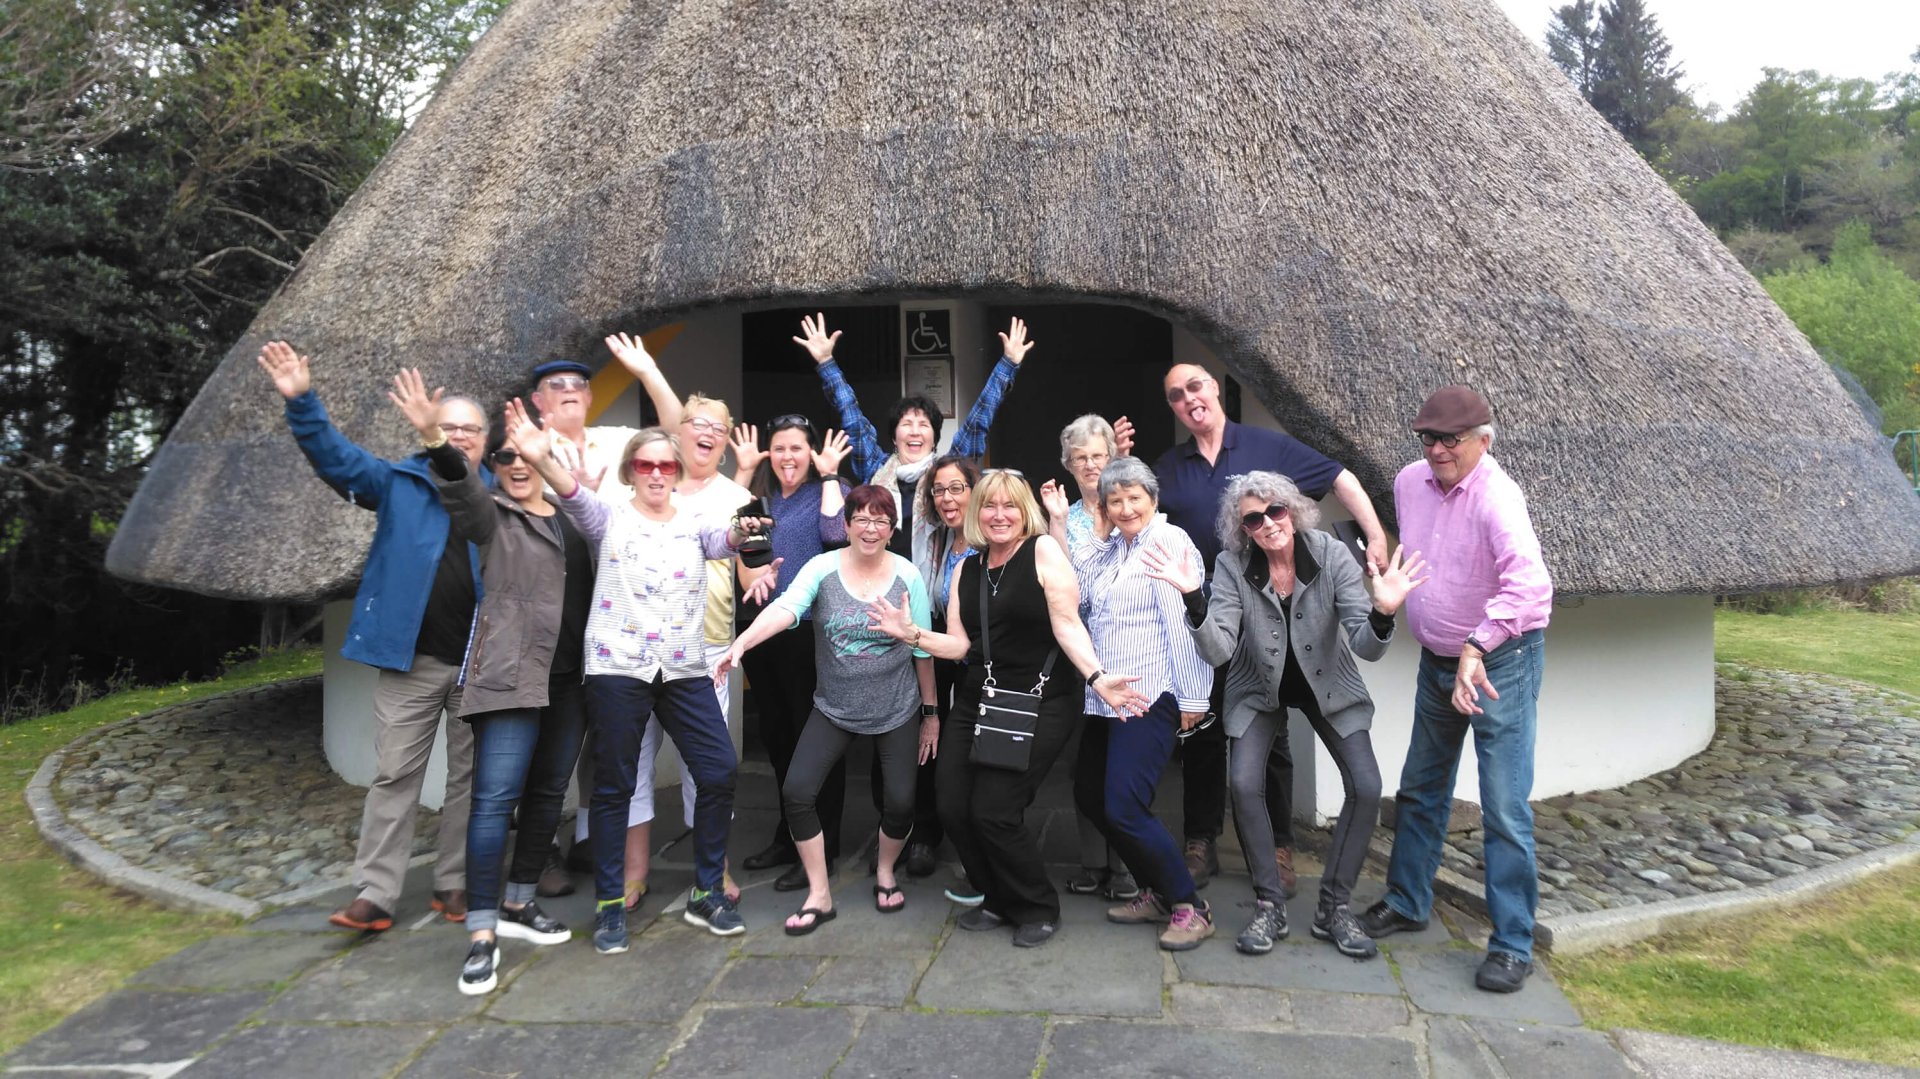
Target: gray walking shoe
x=1269 y=927
x=1338 y=925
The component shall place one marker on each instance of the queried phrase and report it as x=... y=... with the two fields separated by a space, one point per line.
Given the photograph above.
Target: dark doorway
x=778 y=376
x=1087 y=358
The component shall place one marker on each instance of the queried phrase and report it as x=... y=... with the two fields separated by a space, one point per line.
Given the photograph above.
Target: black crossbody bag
x=1003 y=734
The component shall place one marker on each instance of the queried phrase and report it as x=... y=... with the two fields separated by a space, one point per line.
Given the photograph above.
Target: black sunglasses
x=1428 y=438
x=1252 y=521
x=791 y=419
x=504 y=457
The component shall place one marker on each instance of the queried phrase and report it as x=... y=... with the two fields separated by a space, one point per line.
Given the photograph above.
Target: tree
x=1573 y=44
x=1635 y=78
x=1863 y=314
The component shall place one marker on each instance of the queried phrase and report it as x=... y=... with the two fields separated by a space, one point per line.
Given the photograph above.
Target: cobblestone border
x=81 y=849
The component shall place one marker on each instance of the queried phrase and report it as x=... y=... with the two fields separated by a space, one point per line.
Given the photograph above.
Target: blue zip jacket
x=408 y=539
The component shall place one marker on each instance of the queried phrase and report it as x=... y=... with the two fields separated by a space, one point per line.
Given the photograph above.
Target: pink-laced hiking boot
x=1142 y=909
x=1187 y=927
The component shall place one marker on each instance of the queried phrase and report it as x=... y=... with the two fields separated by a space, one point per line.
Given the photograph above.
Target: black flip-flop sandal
x=880 y=893
x=820 y=918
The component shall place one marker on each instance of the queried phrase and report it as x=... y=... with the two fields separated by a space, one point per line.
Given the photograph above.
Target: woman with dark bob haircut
x=1279 y=581
x=870 y=684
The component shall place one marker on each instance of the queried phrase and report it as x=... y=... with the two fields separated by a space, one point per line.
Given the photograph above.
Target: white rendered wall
x=347 y=713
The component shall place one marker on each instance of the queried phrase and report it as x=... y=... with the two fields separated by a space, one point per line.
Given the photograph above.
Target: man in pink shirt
x=1480 y=620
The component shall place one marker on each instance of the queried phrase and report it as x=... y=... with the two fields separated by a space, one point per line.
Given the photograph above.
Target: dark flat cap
x=560 y=367
x=1453 y=409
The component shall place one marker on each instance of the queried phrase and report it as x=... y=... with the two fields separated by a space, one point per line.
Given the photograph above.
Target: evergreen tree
x=1636 y=80
x=1573 y=44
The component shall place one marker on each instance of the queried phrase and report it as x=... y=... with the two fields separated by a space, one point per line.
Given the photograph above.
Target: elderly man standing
x=563 y=394
x=1481 y=624
x=1193 y=476
x=410 y=621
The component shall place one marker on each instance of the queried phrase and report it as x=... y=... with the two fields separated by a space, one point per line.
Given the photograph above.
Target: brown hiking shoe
x=1187 y=927
x=1289 y=880
x=1203 y=861
x=452 y=903
x=361 y=914
x=1145 y=909
x=554 y=878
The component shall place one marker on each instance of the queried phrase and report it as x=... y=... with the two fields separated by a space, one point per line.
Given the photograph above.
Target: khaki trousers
x=407 y=710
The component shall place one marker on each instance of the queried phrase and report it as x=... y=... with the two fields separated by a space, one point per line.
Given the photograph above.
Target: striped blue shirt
x=1138 y=624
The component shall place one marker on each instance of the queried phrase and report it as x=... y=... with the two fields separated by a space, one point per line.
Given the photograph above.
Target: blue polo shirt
x=1190 y=488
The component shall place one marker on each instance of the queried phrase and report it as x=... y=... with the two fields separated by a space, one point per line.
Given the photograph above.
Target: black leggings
x=823 y=746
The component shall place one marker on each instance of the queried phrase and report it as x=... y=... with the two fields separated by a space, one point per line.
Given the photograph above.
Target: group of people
x=567 y=596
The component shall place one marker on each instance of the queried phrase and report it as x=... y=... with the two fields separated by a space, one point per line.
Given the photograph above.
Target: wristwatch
x=1093 y=680
x=1478 y=646
x=929 y=711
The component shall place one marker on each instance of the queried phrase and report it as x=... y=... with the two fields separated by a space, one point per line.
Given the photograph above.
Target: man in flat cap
x=563 y=394
x=1480 y=620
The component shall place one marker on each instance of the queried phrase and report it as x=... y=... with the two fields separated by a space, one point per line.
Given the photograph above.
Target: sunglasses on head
x=505 y=458
x=791 y=419
x=1177 y=394
x=1428 y=438
x=1252 y=521
x=642 y=466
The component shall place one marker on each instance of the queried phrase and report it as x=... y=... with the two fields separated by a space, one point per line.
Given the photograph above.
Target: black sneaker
x=533 y=925
x=1269 y=927
x=1087 y=881
x=979 y=920
x=1034 y=934
x=1338 y=925
x=481 y=972
x=1502 y=972
x=1381 y=920
x=1121 y=887
x=713 y=913
x=920 y=860
x=610 y=928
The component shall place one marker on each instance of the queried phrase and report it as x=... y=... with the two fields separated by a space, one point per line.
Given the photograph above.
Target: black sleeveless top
x=1022 y=629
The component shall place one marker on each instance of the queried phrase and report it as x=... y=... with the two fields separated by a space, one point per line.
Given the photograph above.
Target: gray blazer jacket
x=1246 y=628
x=517 y=627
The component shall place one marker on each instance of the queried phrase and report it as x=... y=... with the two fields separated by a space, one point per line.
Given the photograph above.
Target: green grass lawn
x=1839 y=975
x=66 y=937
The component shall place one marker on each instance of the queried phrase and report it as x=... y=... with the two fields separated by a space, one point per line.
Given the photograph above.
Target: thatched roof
x=1351 y=201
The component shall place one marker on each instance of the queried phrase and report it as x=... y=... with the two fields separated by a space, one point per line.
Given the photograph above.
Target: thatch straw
x=1351 y=201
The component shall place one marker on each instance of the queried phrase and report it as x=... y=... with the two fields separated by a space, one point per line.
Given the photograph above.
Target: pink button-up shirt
x=1485 y=576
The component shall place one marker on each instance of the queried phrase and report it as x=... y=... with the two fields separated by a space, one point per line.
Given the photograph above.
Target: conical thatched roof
x=1352 y=201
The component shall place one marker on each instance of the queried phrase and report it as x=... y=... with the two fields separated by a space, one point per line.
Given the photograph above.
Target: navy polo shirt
x=1190 y=488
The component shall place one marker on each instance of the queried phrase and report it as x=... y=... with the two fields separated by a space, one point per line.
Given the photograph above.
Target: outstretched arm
x=632 y=354
x=864 y=439
x=1346 y=488
x=357 y=475
x=971 y=439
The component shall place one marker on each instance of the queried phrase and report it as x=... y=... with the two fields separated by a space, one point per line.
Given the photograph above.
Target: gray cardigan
x=1244 y=623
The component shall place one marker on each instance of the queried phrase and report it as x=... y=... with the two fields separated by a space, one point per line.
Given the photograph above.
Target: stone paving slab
x=766 y=980
x=397 y=977
x=879 y=983
x=1293 y=964
x=1454 y=1053
x=140 y=1026
x=243 y=960
x=1440 y=981
x=1340 y=1013
x=490 y=1050
x=1529 y=1049
x=912 y=1045
x=1230 y=1006
x=652 y=983
x=756 y=1042
x=1090 y=968
x=326 y=1052
x=1128 y=1050
x=857 y=928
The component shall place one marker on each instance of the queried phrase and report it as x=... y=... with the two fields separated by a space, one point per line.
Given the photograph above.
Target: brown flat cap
x=1453 y=409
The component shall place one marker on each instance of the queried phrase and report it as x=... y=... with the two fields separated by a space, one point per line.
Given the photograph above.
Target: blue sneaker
x=712 y=911
x=610 y=928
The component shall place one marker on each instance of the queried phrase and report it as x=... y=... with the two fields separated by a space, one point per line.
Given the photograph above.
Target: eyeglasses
x=1252 y=521
x=871 y=522
x=467 y=430
x=1177 y=394
x=955 y=490
x=504 y=458
x=563 y=383
x=1428 y=438
x=642 y=466
x=1082 y=460
x=1014 y=472
x=704 y=426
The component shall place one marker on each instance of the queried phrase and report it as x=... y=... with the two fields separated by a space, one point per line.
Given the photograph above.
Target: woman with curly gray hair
x=1284 y=598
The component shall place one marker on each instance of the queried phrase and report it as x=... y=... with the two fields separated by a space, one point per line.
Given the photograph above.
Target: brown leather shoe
x=554 y=878
x=361 y=914
x=1203 y=861
x=1289 y=880
x=452 y=903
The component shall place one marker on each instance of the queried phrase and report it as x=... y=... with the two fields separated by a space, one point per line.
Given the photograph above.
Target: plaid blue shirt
x=864 y=439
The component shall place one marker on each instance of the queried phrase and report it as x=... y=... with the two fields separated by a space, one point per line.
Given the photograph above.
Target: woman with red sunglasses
x=646 y=655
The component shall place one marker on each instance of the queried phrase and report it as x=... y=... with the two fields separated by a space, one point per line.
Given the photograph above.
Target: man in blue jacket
x=411 y=619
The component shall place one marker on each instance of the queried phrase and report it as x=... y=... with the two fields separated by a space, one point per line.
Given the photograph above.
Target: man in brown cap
x=1480 y=620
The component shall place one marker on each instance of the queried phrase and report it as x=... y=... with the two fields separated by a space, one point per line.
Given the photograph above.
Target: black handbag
x=1003 y=734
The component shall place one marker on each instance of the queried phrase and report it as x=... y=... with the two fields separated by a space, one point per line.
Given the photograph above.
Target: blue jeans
x=1503 y=744
x=520 y=755
x=687 y=711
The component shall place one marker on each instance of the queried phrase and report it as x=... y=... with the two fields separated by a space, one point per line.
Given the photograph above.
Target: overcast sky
x=1722 y=45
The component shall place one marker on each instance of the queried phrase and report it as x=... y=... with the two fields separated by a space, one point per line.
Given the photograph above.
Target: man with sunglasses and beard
x=1193 y=477
x=1481 y=624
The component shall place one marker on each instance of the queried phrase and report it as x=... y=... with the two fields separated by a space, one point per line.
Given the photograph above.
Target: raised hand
x=1117 y=690
x=815 y=339
x=422 y=409
x=1391 y=587
x=1014 y=342
x=834 y=448
x=895 y=621
x=632 y=354
x=526 y=436
x=762 y=587
x=287 y=369
x=1053 y=498
x=1123 y=437
x=747 y=453
x=1163 y=565
x=573 y=458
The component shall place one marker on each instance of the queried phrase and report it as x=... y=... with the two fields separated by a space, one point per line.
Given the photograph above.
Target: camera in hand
x=756 y=550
